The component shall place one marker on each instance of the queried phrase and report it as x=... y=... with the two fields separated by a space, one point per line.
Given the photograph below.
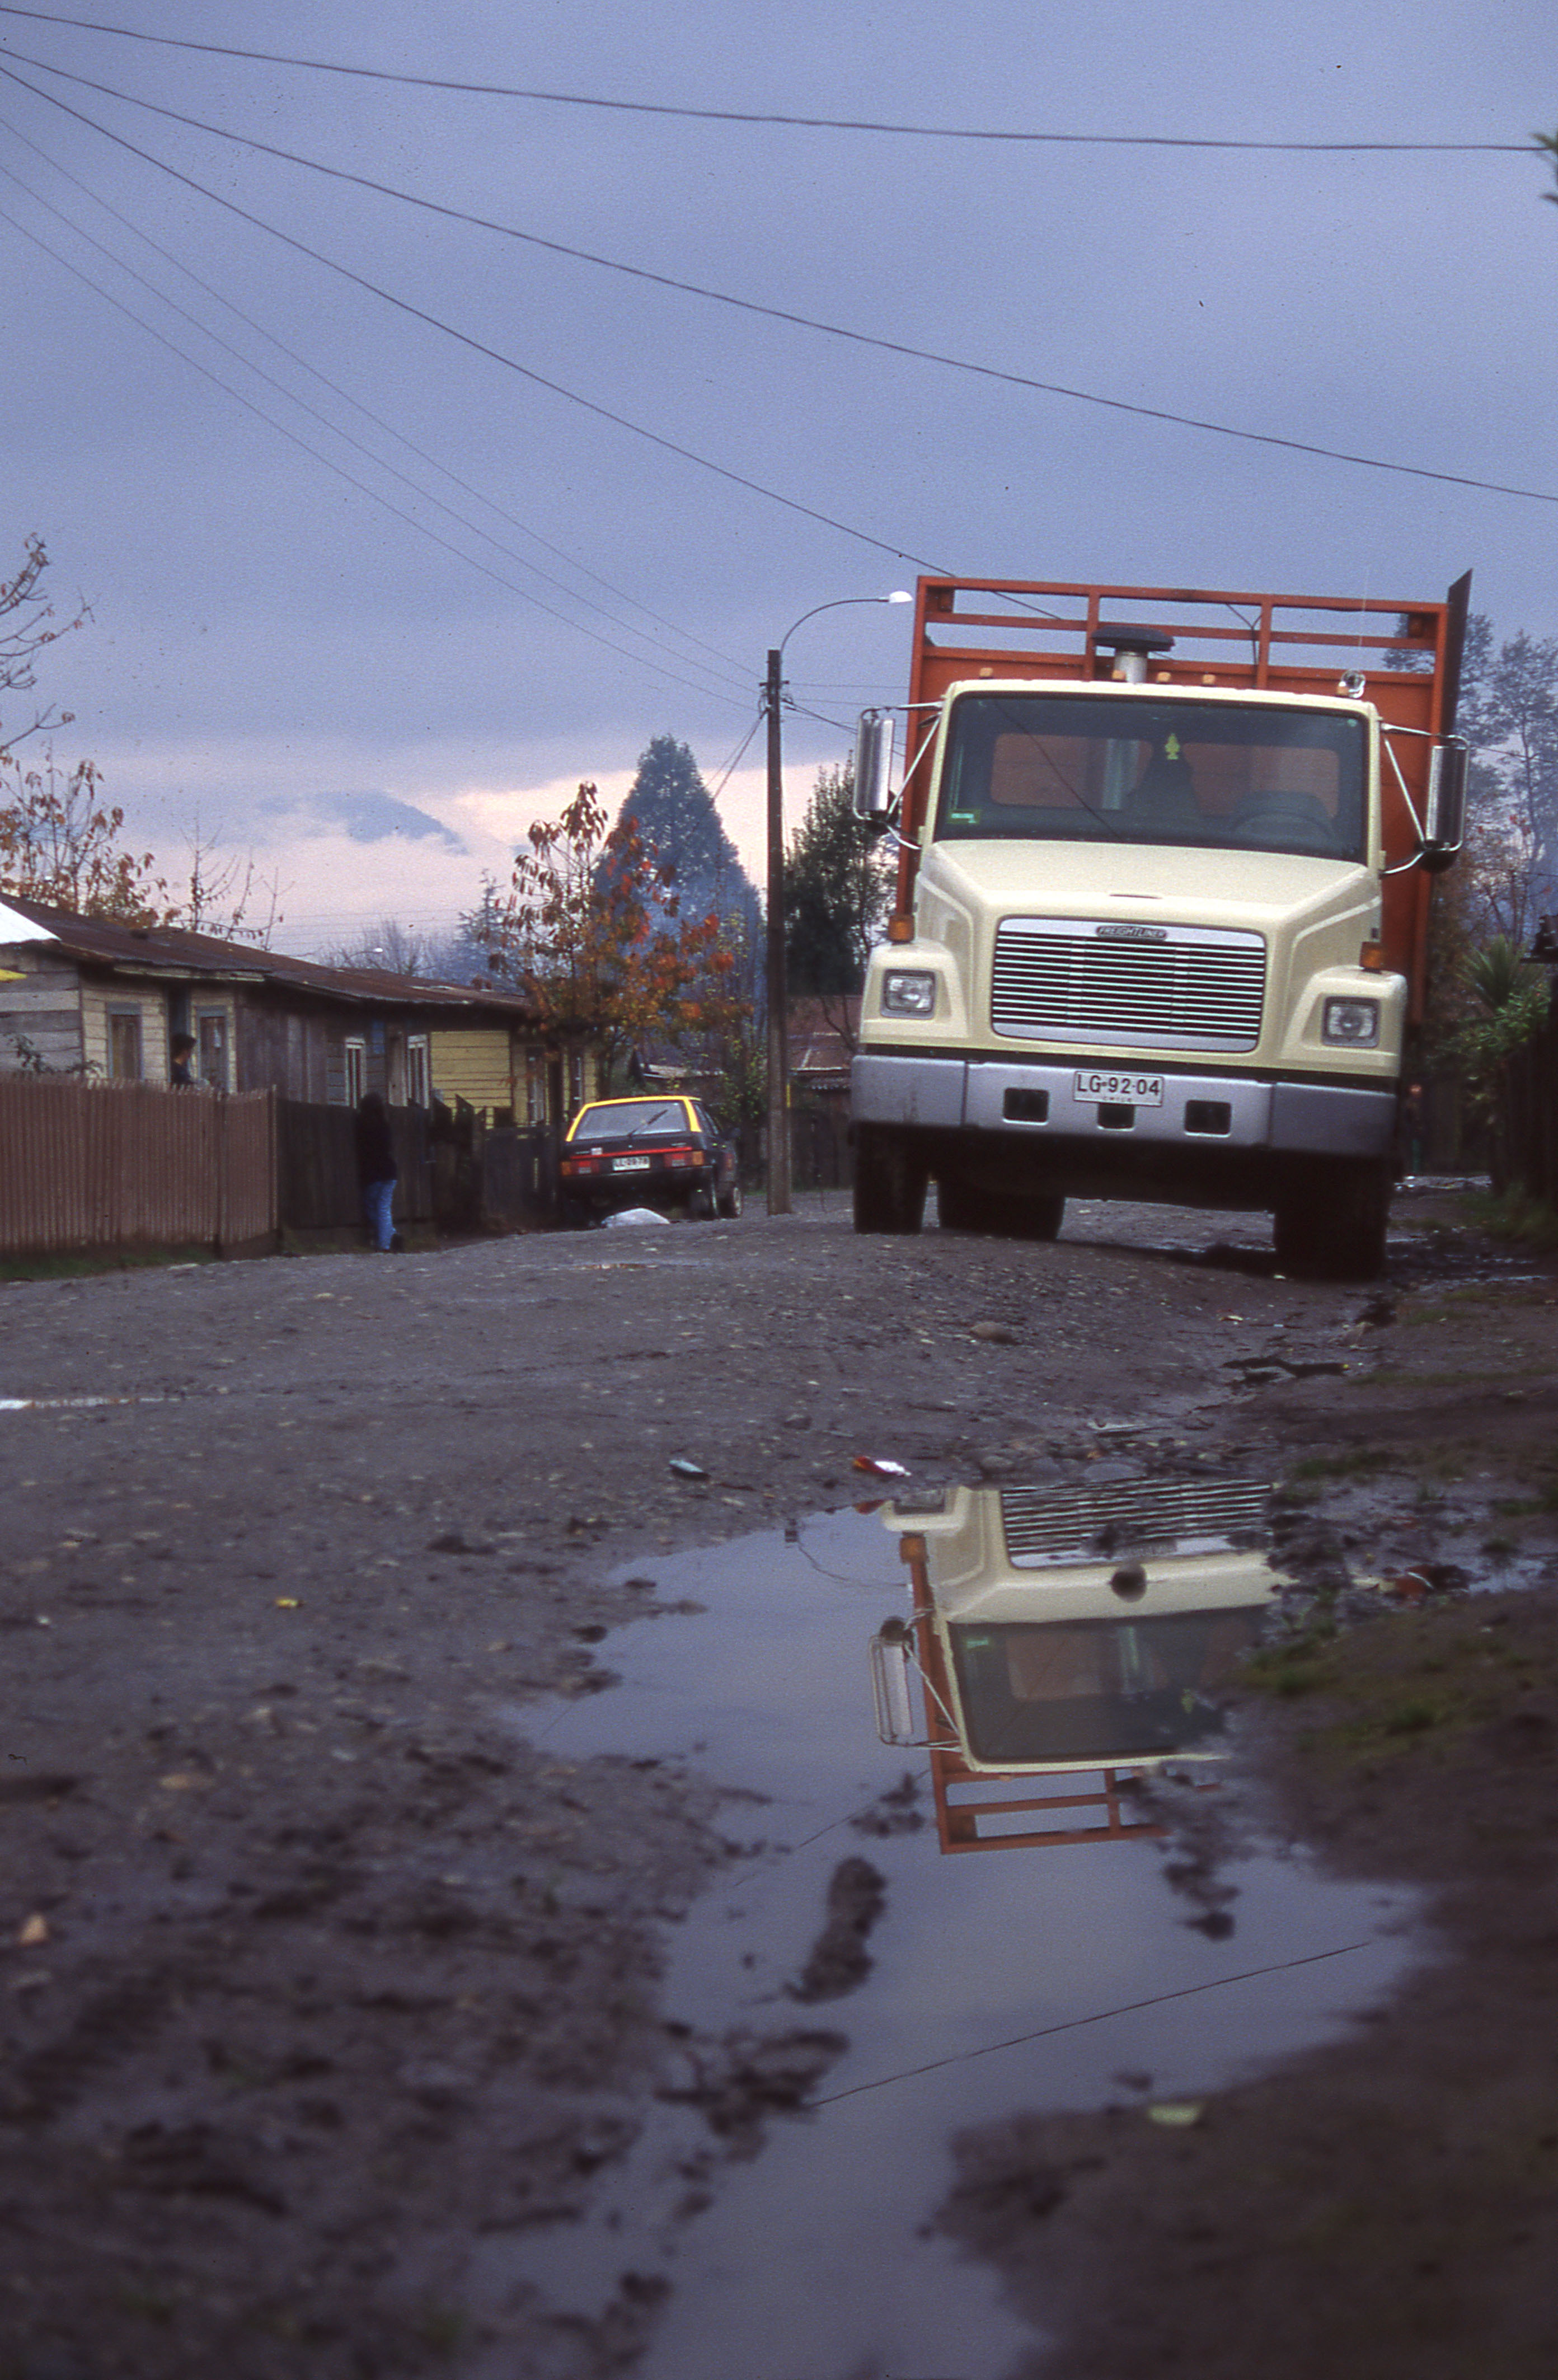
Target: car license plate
x=1118 y=1090
x=630 y=1165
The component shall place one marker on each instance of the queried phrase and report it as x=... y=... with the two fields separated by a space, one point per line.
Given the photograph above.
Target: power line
x=796 y=123
x=378 y=423
x=640 y=660
x=1073 y=2024
x=465 y=339
x=744 y=305
x=356 y=444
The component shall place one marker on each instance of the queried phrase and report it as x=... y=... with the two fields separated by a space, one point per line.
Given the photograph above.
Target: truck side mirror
x=1445 y=810
x=873 y=766
x=892 y=1665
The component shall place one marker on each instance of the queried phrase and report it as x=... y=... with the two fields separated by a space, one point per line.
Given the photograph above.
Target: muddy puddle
x=920 y=1936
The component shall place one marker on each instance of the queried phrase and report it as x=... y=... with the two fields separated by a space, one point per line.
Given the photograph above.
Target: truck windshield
x=1089 y=1689
x=1091 y=768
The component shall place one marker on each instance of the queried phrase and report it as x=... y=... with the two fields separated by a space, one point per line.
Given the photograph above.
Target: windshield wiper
x=649 y=1122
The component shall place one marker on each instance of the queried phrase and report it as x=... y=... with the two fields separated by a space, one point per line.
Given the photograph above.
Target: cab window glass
x=1238 y=775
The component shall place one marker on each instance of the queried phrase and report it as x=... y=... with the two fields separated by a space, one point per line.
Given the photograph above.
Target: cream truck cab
x=1161 y=925
x=1061 y=1640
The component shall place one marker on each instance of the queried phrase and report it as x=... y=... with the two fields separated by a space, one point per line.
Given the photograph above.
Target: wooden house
x=90 y=996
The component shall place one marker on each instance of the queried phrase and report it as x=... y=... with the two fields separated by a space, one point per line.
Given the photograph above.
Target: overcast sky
x=374 y=674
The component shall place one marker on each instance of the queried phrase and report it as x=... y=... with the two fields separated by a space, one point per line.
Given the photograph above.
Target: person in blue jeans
x=377 y=1170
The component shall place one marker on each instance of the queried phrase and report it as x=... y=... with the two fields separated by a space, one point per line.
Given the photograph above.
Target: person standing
x=377 y=1170
x=181 y=1074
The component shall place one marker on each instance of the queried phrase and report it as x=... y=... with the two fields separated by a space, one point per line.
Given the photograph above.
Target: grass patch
x=443 y=2328
x=1416 y=1681
x=1513 y=1215
x=1358 y=1462
x=1300 y=1666
x=87 y=1261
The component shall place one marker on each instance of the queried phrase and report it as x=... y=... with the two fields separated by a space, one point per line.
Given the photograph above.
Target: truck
x=1061 y=1633
x=1161 y=922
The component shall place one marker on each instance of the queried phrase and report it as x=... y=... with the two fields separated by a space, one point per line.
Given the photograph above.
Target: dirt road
x=315 y=1974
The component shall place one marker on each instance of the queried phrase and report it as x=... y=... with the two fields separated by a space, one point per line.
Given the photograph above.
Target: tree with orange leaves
x=59 y=842
x=589 y=931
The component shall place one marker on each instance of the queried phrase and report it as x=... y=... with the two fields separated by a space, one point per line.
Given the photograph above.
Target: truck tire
x=891 y=1180
x=1332 y=1223
x=1039 y=1217
x=960 y=1205
x=963 y=1207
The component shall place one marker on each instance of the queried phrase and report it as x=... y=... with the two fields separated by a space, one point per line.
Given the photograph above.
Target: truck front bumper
x=1039 y=1102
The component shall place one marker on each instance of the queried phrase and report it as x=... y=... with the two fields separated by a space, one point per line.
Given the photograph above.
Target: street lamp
x=779 y=1039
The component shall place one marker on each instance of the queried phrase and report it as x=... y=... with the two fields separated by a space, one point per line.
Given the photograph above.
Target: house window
x=356 y=1072
x=535 y=1086
x=418 y=1072
x=124 y=1045
x=211 y=1053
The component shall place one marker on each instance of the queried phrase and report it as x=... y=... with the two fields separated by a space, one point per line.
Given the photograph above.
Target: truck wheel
x=890 y=1182
x=960 y=1207
x=965 y=1207
x=1332 y=1223
x=1039 y=1219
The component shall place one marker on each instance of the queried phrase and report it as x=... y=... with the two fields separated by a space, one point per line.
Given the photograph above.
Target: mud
x=1384 y=2206
x=320 y=1984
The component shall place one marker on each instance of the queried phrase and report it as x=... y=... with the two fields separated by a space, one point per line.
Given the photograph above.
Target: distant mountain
x=364 y=817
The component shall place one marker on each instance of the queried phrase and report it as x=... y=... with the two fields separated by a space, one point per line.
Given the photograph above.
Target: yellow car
x=663 y=1150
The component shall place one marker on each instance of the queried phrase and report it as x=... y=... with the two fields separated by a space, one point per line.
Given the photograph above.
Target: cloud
x=365 y=817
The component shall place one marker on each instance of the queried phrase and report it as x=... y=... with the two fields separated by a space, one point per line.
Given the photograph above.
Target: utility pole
x=779 y=1202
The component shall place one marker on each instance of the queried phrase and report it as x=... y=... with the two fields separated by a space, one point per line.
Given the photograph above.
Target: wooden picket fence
x=93 y=1166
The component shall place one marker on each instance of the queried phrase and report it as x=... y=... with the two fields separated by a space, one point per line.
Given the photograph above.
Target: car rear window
x=629 y=1120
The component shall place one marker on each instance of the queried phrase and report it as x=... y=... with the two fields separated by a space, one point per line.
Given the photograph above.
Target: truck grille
x=1045 y=1525
x=1170 y=986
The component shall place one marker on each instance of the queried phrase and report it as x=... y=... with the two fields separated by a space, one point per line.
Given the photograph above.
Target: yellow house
x=493 y=1067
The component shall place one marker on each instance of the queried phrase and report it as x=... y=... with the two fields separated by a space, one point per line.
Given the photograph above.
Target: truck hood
x=1260 y=890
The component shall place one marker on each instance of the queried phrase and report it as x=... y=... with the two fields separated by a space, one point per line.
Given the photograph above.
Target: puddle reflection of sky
x=1003 y=1980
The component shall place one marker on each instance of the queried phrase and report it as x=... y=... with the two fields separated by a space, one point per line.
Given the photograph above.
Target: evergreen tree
x=673 y=815
x=1509 y=716
x=837 y=892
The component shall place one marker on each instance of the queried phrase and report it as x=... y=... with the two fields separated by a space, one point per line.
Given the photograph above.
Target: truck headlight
x=1353 y=1022
x=908 y=991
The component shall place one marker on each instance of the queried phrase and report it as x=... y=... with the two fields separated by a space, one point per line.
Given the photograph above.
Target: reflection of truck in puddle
x=1061 y=1633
